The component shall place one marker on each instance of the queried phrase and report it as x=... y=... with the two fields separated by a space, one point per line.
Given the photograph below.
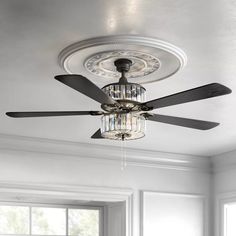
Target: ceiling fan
x=124 y=108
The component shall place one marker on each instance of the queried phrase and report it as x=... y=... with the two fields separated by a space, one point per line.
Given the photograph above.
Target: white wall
x=116 y=219
x=173 y=214
x=30 y=167
x=225 y=172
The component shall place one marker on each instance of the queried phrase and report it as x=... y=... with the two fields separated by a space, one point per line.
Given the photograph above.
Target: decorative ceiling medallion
x=102 y=64
x=152 y=59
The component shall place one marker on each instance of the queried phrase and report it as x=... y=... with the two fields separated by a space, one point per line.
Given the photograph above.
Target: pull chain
x=123 y=153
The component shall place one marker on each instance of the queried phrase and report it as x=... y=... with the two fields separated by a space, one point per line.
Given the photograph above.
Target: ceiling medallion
x=152 y=59
x=102 y=64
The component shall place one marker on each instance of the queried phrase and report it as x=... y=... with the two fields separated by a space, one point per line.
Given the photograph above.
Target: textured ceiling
x=32 y=33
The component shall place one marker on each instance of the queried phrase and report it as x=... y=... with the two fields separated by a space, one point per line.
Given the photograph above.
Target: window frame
x=51 y=205
x=221 y=200
x=223 y=220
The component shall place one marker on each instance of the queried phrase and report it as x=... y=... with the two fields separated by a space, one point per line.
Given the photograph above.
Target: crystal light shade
x=133 y=92
x=124 y=126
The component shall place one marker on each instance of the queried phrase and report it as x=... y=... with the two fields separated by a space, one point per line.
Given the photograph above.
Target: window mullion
x=67 y=223
x=30 y=220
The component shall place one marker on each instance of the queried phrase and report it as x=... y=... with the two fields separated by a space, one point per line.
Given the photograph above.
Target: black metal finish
x=122 y=106
x=195 y=94
x=123 y=79
x=52 y=113
x=184 y=122
x=97 y=135
x=85 y=86
x=123 y=64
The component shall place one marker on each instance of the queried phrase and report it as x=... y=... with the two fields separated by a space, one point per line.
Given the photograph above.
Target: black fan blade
x=199 y=93
x=185 y=122
x=97 y=134
x=52 y=113
x=85 y=86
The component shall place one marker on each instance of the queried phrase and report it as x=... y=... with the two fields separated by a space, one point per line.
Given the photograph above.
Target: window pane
x=48 y=221
x=83 y=222
x=14 y=220
x=229 y=219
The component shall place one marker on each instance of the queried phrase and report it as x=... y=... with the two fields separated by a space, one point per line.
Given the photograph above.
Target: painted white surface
x=229 y=219
x=100 y=153
x=225 y=172
x=116 y=219
x=173 y=214
x=32 y=168
x=34 y=32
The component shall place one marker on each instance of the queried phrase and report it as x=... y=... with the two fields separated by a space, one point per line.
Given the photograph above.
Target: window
x=229 y=219
x=49 y=220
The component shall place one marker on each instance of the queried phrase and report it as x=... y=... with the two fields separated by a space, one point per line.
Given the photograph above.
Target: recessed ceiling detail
x=152 y=59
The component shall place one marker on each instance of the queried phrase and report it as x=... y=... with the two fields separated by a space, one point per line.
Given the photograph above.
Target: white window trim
x=19 y=192
x=221 y=200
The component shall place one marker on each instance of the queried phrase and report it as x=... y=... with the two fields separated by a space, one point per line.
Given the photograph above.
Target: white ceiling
x=32 y=33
